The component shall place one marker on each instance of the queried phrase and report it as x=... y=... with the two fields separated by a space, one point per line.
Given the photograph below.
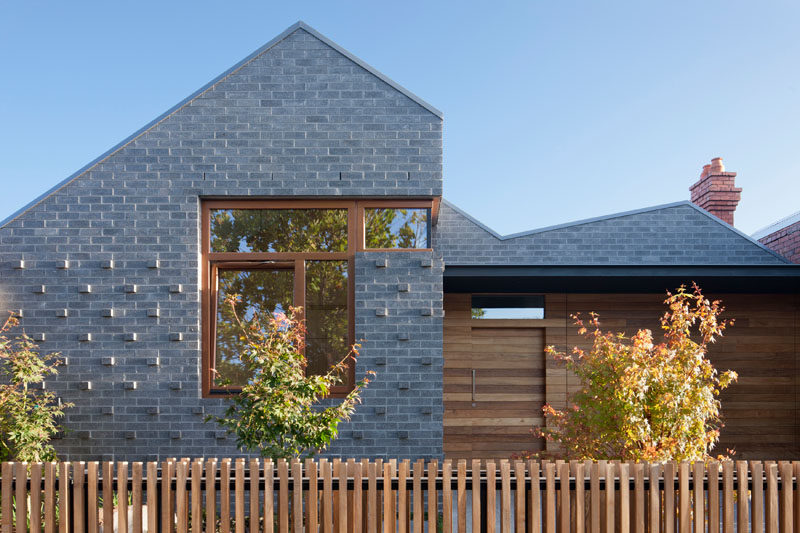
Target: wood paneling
x=509 y=391
x=760 y=412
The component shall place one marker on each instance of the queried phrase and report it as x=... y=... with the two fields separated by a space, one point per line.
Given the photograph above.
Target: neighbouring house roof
x=671 y=234
x=210 y=85
x=777 y=226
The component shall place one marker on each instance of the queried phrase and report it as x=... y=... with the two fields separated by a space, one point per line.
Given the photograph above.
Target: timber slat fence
x=251 y=495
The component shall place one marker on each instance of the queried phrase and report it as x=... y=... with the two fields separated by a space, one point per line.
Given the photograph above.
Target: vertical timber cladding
x=761 y=412
x=493 y=383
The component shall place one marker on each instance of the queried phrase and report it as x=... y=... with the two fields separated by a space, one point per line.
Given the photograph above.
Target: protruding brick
x=426 y=263
x=154 y=312
x=107 y=409
x=403 y=385
x=402 y=336
x=130 y=435
x=40 y=289
x=107 y=264
x=198 y=410
x=85 y=337
x=426 y=410
x=130 y=337
x=402 y=435
x=380 y=410
x=175 y=434
x=130 y=385
x=426 y=361
x=358 y=435
x=39 y=337
x=175 y=385
x=427 y=311
x=403 y=287
x=220 y=435
x=20 y=265
x=153 y=361
x=382 y=311
x=85 y=288
x=62 y=313
x=85 y=385
x=18 y=313
x=176 y=289
x=131 y=288
x=154 y=263
x=63 y=265
x=381 y=263
x=153 y=410
x=176 y=336
x=108 y=361
x=380 y=361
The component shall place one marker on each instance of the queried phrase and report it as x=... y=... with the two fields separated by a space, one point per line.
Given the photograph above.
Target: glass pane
x=513 y=306
x=396 y=227
x=278 y=230
x=326 y=316
x=262 y=291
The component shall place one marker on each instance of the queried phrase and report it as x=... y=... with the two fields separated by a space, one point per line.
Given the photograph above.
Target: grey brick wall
x=298 y=120
x=675 y=235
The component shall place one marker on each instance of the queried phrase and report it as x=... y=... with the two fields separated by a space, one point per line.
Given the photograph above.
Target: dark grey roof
x=673 y=234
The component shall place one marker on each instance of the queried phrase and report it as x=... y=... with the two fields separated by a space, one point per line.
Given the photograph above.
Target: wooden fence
x=399 y=497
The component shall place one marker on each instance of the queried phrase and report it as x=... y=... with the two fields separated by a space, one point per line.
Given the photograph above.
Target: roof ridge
x=776 y=226
x=299 y=25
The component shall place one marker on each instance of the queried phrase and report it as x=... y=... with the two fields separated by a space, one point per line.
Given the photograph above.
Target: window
x=508 y=306
x=278 y=254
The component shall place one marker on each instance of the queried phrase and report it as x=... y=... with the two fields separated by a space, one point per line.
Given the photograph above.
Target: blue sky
x=554 y=111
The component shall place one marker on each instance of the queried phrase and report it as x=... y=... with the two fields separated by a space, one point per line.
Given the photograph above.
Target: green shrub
x=27 y=416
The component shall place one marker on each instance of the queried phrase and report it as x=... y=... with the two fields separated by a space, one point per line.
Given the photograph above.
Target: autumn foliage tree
x=278 y=411
x=640 y=400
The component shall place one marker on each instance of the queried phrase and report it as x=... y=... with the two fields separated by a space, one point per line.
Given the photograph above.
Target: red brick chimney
x=715 y=191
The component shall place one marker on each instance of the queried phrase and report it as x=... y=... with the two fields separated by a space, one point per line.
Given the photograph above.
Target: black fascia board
x=622 y=278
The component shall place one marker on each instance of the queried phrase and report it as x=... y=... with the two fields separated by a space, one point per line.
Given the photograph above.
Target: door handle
x=473 y=387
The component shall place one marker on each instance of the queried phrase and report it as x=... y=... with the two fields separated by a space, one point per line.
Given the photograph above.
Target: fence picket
x=358 y=500
x=342 y=507
x=624 y=498
x=181 y=512
x=36 y=497
x=772 y=497
x=535 y=498
x=505 y=496
x=447 y=496
x=327 y=496
x=698 y=473
x=372 y=500
x=136 y=497
x=550 y=497
x=654 y=501
x=786 y=507
x=757 y=495
x=253 y=469
x=402 y=497
x=639 y=509
x=578 y=509
x=608 y=513
x=152 y=496
x=297 y=497
x=64 y=511
x=283 y=496
x=519 y=505
x=461 y=495
x=269 y=497
x=742 y=522
x=491 y=497
x=312 y=496
x=388 y=498
x=197 y=495
x=684 y=509
x=211 y=495
x=564 y=518
x=238 y=489
x=5 y=495
x=713 y=496
x=416 y=506
x=727 y=496
x=21 y=497
x=50 y=497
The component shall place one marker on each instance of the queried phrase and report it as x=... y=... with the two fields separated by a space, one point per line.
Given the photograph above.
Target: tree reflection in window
x=326 y=316
x=265 y=290
x=396 y=227
x=278 y=230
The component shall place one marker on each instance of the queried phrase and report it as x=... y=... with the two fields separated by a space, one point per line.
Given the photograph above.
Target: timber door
x=494 y=384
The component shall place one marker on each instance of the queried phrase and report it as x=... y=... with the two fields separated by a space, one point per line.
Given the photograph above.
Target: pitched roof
x=679 y=233
x=777 y=226
x=286 y=33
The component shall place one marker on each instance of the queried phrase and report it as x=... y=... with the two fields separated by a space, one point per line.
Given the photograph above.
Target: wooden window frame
x=212 y=262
